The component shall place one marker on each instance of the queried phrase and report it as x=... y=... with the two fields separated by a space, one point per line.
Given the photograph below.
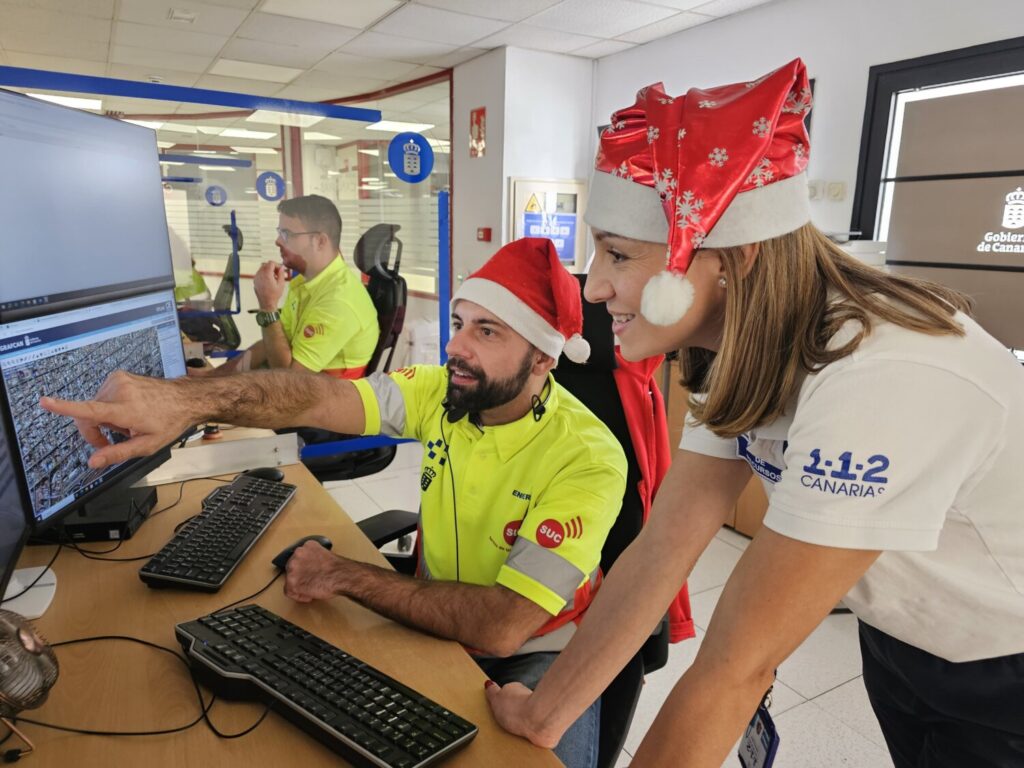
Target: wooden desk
x=109 y=685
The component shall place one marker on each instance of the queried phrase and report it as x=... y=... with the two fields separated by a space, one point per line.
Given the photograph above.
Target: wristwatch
x=263 y=319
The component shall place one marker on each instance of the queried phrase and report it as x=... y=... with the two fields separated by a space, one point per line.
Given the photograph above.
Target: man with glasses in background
x=327 y=323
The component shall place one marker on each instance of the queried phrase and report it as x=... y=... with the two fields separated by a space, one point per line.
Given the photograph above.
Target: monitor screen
x=13 y=520
x=82 y=209
x=68 y=355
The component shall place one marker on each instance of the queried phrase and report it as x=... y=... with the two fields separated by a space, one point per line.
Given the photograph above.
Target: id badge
x=760 y=741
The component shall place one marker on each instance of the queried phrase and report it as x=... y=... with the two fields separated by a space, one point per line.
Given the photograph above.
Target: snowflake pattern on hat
x=761 y=174
x=761 y=127
x=718 y=157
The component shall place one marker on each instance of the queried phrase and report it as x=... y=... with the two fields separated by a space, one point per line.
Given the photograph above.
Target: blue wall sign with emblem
x=270 y=186
x=559 y=228
x=410 y=157
x=216 y=195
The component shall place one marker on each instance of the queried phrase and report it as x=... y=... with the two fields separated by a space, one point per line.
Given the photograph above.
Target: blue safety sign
x=410 y=157
x=559 y=228
x=216 y=195
x=270 y=186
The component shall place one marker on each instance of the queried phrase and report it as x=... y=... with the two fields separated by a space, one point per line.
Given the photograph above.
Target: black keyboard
x=364 y=715
x=203 y=554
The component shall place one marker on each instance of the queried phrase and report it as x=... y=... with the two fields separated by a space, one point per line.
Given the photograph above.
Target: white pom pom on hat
x=666 y=298
x=577 y=349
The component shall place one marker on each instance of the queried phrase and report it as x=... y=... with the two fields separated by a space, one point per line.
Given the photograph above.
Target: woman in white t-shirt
x=878 y=415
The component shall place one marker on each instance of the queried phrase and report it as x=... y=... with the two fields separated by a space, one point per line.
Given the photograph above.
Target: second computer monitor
x=68 y=355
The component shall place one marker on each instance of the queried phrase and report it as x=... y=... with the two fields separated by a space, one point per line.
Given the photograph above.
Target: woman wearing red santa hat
x=879 y=416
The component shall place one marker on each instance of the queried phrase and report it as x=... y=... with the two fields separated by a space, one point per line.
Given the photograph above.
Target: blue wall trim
x=109 y=86
x=444 y=272
x=347 y=446
x=203 y=160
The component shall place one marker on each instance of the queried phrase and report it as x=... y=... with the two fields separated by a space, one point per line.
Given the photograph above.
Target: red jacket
x=644 y=408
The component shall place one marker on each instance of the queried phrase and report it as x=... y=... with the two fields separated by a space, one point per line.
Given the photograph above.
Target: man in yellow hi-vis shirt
x=328 y=323
x=520 y=482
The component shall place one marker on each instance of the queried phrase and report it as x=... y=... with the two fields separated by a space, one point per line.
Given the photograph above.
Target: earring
x=721 y=282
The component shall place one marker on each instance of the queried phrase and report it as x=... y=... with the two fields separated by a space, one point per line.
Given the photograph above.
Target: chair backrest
x=218 y=331
x=373 y=256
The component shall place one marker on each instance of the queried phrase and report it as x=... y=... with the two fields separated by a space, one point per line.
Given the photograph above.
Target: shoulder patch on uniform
x=313 y=329
x=409 y=373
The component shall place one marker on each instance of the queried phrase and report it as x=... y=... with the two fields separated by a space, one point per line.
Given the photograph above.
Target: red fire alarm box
x=483 y=234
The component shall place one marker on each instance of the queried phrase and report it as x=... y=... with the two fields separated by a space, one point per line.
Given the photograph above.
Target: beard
x=488 y=392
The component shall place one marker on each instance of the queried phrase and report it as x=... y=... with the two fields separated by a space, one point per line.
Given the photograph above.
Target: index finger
x=84 y=410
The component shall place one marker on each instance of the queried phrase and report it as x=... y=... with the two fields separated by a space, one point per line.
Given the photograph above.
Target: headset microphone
x=453 y=413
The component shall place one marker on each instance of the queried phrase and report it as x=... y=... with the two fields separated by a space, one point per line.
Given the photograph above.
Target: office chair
x=389 y=293
x=216 y=328
x=593 y=383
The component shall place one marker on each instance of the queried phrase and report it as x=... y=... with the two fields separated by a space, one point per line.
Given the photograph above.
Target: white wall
x=539 y=125
x=477 y=183
x=838 y=39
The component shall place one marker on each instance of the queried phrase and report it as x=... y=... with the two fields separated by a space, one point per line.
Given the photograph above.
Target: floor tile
x=408 y=455
x=397 y=491
x=849 y=703
x=353 y=500
x=731 y=537
x=829 y=657
x=812 y=738
x=702 y=605
x=784 y=698
x=658 y=685
x=714 y=566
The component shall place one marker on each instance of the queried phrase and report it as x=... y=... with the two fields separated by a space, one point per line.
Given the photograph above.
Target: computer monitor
x=13 y=518
x=81 y=210
x=68 y=355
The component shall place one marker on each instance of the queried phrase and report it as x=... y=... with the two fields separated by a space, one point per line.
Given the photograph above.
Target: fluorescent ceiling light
x=165 y=144
x=217 y=168
x=242 y=133
x=395 y=126
x=334 y=173
x=255 y=150
x=171 y=162
x=390 y=175
x=374 y=152
x=370 y=178
x=315 y=136
x=69 y=101
x=283 y=118
x=151 y=124
x=212 y=130
x=205 y=151
x=179 y=128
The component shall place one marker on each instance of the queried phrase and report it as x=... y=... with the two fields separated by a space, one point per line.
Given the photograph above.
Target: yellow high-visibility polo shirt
x=330 y=321
x=527 y=505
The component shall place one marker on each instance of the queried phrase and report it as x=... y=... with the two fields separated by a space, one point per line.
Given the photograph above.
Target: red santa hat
x=529 y=290
x=714 y=168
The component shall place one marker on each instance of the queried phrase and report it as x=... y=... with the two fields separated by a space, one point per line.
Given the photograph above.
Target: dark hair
x=318 y=214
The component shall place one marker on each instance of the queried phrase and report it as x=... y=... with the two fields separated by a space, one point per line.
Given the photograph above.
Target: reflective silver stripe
x=540 y=564
x=593 y=586
x=552 y=641
x=390 y=402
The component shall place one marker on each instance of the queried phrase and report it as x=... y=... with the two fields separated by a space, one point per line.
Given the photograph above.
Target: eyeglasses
x=286 y=234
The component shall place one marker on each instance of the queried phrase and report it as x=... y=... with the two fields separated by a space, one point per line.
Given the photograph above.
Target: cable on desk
x=34 y=582
x=249 y=597
x=204 y=708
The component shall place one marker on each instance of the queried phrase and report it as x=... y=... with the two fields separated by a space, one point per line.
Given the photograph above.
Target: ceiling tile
x=457 y=57
x=666 y=27
x=307 y=92
x=338 y=85
x=493 y=9
x=146 y=57
x=167 y=75
x=47 y=32
x=254 y=71
x=247 y=5
x=679 y=5
x=102 y=9
x=56 y=64
x=210 y=19
x=173 y=40
x=285 y=30
x=298 y=56
x=604 y=48
x=424 y=23
x=381 y=46
x=537 y=38
x=139 y=106
x=728 y=7
x=347 y=13
x=238 y=85
x=362 y=66
x=421 y=71
x=600 y=18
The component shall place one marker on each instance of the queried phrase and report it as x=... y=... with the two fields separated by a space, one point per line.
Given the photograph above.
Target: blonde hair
x=779 y=319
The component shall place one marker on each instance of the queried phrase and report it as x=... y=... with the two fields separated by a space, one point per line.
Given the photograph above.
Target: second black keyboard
x=204 y=553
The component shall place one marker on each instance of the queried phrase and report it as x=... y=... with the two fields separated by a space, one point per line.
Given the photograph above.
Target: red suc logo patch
x=511 y=532
x=550 y=534
x=309 y=331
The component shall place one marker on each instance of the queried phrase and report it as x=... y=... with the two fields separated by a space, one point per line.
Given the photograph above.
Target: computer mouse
x=195 y=362
x=265 y=473
x=285 y=555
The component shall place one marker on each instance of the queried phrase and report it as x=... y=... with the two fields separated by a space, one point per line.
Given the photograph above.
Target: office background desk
x=115 y=685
